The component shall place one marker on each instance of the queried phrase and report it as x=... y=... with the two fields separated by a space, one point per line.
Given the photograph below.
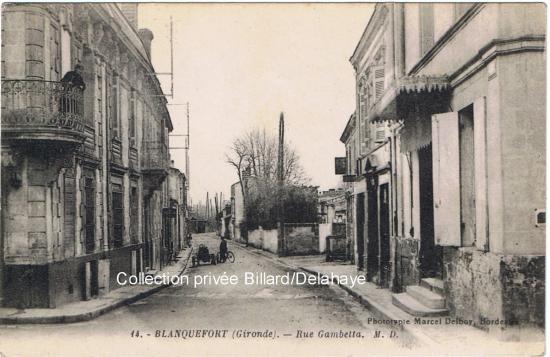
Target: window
x=380 y=133
x=99 y=96
x=132 y=118
x=113 y=106
x=55 y=54
x=118 y=215
x=134 y=205
x=89 y=213
x=378 y=81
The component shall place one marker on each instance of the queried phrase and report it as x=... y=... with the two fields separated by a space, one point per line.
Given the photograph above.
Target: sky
x=240 y=65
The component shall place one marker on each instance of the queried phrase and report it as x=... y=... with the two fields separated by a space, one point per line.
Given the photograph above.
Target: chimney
x=146 y=37
x=129 y=10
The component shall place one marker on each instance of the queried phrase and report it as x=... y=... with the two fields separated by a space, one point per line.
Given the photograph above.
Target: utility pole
x=280 y=186
x=207 y=200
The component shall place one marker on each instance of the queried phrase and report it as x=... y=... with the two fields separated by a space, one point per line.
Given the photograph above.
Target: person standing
x=72 y=80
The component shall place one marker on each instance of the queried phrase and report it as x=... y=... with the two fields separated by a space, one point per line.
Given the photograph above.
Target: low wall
x=301 y=238
x=270 y=240
x=255 y=238
x=265 y=239
x=482 y=285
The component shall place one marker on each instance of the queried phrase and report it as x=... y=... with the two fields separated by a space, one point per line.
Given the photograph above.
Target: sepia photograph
x=273 y=179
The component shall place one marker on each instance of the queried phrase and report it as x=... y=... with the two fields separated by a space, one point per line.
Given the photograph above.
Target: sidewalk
x=378 y=301
x=88 y=310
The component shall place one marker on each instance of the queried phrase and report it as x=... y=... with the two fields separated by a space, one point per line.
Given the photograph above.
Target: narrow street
x=286 y=310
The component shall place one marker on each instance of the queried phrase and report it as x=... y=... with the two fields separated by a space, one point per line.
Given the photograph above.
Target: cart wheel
x=230 y=257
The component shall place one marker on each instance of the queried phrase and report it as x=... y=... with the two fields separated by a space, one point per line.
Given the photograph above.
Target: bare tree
x=238 y=158
x=256 y=151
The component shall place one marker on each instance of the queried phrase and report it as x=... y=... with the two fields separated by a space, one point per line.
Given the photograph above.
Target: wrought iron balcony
x=42 y=110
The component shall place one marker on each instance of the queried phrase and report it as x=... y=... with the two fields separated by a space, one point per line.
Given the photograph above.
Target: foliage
x=254 y=156
x=299 y=205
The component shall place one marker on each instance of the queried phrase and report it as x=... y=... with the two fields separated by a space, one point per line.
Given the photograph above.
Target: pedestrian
x=72 y=80
x=223 y=249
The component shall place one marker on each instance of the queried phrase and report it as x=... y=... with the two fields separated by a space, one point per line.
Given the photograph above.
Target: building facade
x=176 y=214
x=450 y=152
x=83 y=171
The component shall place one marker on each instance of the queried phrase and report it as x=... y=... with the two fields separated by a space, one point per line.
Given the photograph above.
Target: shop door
x=384 y=228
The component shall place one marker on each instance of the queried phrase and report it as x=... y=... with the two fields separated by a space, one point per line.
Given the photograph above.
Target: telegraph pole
x=280 y=186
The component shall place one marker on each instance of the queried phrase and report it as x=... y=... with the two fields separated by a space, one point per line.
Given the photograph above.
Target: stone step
x=410 y=305
x=426 y=297
x=433 y=284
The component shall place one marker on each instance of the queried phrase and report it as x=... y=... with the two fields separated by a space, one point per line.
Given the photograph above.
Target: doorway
x=360 y=215
x=431 y=263
x=384 y=228
x=372 y=228
x=94 y=280
x=467 y=174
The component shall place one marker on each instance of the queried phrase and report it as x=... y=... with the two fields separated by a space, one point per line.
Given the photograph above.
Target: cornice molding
x=496 y=48
x=377 y=19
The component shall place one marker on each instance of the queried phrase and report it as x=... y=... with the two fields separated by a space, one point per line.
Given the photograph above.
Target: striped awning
x=413 y=99
x=397 y=100
x=426 y=84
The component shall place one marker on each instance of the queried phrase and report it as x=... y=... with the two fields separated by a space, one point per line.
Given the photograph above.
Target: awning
x=413 y=99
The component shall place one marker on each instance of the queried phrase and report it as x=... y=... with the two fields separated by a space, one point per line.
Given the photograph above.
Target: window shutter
x=380 y=134
x=480 y=157
x=446 y=179
x=378 y=81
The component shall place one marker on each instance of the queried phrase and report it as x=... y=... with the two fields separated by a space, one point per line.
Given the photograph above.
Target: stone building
x=83 y=172
x=448 y=144
x=175 y=214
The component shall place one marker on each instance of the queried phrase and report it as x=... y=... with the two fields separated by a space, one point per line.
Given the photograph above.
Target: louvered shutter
x=480 y=157
x=446 y=179
x=378 y=80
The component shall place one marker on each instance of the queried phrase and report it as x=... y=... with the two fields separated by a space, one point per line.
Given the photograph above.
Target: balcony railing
x=37 y=109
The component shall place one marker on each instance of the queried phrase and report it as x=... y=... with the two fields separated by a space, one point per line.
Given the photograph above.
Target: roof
x=374 y=22
x=348 y=130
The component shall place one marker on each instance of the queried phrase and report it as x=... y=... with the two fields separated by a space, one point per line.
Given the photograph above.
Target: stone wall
x=301 y=238
x=523 y=278
x=483 y=285
x=263 y=239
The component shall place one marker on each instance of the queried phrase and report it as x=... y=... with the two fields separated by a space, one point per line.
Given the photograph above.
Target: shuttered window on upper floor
x=55 y=54
x=378 y=80
x=132 y=118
